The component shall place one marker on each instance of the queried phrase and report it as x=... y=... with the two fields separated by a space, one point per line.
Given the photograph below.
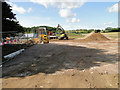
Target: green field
x=73 y=35
x=109 y=34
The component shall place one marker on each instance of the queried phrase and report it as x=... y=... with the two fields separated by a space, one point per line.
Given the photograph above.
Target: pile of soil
x=94 y=37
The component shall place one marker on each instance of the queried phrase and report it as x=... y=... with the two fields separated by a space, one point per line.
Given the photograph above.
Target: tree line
x=35 y=28
x=108 y=29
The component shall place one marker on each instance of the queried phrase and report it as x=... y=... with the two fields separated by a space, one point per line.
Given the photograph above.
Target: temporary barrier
x=9 y=42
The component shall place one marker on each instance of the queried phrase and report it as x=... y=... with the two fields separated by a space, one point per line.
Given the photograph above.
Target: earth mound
x=95 y=37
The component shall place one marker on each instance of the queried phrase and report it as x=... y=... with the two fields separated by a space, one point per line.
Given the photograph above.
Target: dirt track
x=64 y=64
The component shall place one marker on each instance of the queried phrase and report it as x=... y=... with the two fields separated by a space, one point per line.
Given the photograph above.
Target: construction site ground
x=64 y=64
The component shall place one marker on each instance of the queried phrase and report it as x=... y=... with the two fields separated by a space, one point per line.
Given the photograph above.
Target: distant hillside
x=33 y=29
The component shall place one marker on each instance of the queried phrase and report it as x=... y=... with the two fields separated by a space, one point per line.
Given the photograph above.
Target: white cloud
x=17 y=9
x=66 y=13
x=60 y=3
x=109 y=24
x=64 y=6
x=75 y=20
x=114 y=8
x=104 y=25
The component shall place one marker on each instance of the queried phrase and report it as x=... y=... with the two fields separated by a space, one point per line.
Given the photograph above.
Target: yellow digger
x=63 y=34
x=45 y=39
x=41 y=36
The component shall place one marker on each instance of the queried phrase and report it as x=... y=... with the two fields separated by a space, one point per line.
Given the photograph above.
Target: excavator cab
x=63 y=34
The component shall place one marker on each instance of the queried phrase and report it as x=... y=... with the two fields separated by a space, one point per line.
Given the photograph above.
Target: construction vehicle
x=41 y=36
x=52 y=35
x=45 y=39
x=63 y=34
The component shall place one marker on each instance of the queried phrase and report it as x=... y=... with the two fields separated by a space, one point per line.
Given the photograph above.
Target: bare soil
x=64 y=64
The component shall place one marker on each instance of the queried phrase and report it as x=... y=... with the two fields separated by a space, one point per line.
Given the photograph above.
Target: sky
x=69 y=14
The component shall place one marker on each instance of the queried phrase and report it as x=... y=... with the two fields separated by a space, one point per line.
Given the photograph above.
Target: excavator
x=59 y=30
x=63 y=34
x=43 y=36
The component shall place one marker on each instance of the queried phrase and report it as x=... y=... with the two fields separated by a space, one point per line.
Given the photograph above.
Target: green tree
x=9 y=21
